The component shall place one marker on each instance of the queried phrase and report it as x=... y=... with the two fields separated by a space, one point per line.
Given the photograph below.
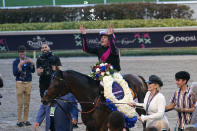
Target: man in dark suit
x=60 y=116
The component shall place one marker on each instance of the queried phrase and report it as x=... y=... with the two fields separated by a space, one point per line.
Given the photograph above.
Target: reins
x=87 y=102
x=96 y=104
x=68 y=115
x=83 y=102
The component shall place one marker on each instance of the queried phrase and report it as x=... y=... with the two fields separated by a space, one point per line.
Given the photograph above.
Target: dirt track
x=163 y=66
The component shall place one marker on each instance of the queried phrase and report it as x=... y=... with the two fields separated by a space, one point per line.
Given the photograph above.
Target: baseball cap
x=103 y=32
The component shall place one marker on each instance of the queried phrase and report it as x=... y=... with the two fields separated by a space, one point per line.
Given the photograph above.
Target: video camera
x=47 y=60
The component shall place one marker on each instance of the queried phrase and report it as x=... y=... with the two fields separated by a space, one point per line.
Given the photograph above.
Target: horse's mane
x=78 y=74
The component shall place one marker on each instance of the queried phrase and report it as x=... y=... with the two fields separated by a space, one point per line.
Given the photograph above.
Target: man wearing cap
x=181 y=100
x=154 y=104
x=107 y=52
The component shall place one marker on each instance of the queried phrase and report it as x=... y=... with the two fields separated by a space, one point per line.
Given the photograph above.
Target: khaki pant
x=23 y=91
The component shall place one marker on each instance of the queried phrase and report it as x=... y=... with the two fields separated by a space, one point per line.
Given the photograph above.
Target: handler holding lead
x=107 y=52
x=154 y=105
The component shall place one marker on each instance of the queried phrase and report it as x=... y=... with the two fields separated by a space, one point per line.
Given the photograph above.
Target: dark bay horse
x=95 y=114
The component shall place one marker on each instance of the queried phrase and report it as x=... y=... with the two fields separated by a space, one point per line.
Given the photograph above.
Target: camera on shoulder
x=46 y=55
x=47 y=60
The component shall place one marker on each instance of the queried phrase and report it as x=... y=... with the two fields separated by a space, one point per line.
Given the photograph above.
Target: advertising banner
x=123 y=40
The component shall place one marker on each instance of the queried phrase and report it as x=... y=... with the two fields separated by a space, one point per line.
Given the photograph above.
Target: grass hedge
x=98 y=12
x=98 y=24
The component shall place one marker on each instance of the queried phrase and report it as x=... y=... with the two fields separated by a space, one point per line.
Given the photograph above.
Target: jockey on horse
x=107 y=52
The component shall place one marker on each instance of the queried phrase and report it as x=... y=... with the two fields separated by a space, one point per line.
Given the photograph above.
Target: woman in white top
x=154 y=105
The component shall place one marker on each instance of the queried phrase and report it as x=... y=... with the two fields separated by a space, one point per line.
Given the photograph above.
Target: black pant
x=52 y=126
x=180 y=129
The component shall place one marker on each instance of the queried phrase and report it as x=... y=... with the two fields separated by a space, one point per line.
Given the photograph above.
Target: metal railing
x=79 y=3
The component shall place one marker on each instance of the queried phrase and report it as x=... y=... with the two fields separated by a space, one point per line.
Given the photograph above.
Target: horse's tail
x=145 y=86
x=144 y=81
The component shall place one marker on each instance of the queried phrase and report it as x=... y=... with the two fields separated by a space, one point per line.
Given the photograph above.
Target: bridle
x=87 y=112
x=84 y=102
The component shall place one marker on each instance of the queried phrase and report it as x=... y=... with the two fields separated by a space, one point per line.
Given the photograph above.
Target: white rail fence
x=191 y=3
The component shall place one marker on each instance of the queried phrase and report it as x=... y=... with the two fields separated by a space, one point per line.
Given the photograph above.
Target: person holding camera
x=46 y=64
x=23 y=67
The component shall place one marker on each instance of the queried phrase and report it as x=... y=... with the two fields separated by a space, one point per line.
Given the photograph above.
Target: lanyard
x=149 y=101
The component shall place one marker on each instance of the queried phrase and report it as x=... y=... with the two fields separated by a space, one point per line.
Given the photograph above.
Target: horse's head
x=57 y=87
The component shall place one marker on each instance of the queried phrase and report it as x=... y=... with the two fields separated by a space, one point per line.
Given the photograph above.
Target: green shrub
x=101 y=12
x=98 y=24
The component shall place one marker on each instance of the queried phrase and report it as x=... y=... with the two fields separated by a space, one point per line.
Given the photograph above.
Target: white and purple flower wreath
x=116 y=91
x=118 y=95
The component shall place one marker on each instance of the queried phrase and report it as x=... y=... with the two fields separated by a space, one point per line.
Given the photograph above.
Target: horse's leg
x=104 y=126
x=100 y=116
x=90 y=125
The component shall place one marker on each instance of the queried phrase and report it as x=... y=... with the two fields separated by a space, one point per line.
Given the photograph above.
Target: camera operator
x=46 y=64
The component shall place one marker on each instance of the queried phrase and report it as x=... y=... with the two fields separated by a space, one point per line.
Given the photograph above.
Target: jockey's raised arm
x=107 y=52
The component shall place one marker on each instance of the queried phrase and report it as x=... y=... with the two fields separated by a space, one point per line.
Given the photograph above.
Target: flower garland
x=107 y=75
x=129 y=112
x=99 y=70
x=130 y=122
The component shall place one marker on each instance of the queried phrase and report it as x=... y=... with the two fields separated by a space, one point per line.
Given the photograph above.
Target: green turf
x=66 y=2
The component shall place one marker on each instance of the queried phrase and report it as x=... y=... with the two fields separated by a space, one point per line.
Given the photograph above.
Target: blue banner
x=123 y=40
